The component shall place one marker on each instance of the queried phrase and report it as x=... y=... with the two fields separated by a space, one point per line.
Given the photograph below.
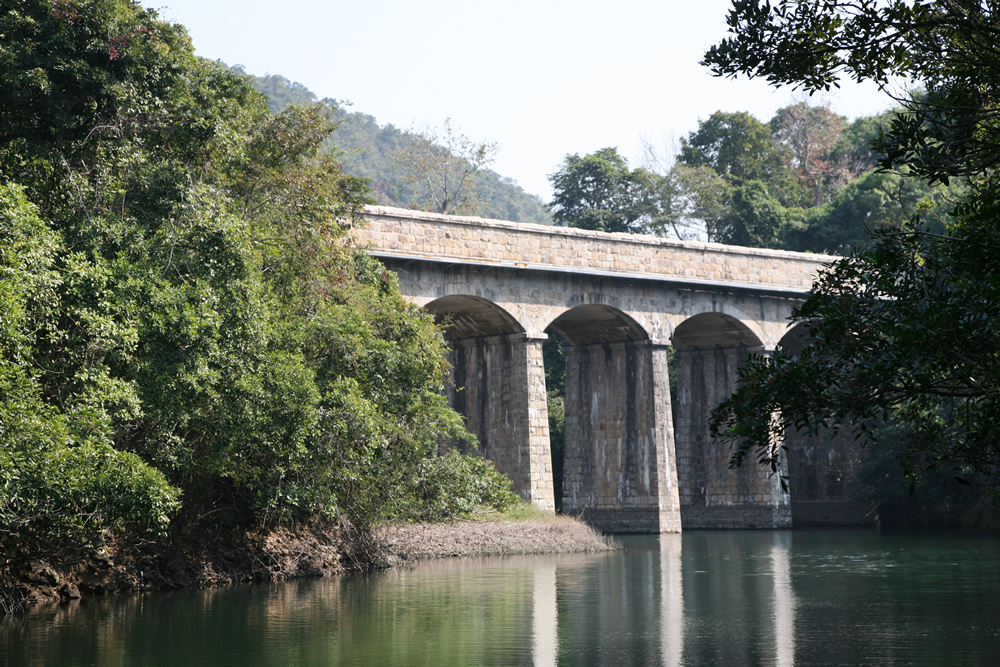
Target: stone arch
x=467 y=316
x=710 y=347
x=590 y=324
x=616 y=469
x=653 y=324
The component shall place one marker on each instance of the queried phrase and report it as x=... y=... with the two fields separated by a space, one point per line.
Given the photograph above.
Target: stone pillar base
x=631 y=520
x=739 y=517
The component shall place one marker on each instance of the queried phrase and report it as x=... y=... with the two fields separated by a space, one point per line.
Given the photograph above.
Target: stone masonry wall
x=498 y=385
x=617 y=471
x=431 y=235
x=711 y=494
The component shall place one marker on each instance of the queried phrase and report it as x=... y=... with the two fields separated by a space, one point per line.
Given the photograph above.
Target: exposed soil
x=277 y=556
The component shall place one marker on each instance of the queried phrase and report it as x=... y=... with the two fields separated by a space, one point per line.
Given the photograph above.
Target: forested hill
x=367 y=149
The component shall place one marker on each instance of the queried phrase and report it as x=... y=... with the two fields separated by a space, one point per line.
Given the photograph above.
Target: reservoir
x=804 y=597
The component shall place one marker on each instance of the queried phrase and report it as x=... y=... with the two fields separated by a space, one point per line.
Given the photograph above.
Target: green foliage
x=182 y=310
x=458 y=485
x=736 y=146
x=703 y=195
x=853 y=147
x=556 y=404
x=61 y=480
x=555 y=398
x=280 y=91
x=443 y=167
x=826 y=196
x=874 y=201
x=933 y=500
x=753 y=218
x=946 y=132
x=367 y=151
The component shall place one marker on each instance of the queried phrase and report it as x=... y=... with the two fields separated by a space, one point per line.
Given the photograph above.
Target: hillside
x=366 y=150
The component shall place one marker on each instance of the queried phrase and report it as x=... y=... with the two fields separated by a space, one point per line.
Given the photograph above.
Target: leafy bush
x=458 y=484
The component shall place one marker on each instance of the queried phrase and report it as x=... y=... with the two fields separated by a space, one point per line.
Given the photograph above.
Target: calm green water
x=704 y=598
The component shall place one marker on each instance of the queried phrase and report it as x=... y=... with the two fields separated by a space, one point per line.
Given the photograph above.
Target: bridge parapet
x=401 y=233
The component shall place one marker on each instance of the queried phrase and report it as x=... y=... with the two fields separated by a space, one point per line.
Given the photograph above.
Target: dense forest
x=806 y=180
x=189 y=344
x=368 y=150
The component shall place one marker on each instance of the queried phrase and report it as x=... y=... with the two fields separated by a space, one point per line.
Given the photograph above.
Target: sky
x=543 y=78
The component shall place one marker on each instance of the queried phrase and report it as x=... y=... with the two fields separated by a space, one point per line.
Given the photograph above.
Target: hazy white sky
x=542 y=77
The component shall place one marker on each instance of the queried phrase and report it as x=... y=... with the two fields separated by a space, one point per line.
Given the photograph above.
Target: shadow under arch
x=707 y=331
x=729 y=312
x=710 y=347
x=590 y=324
x=467 y=316
x=795 y=339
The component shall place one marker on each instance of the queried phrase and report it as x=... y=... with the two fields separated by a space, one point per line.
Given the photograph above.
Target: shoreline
x=282 y=555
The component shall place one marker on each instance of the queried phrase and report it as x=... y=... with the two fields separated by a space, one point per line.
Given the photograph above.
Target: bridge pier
x=618 y=468
x=711 y=494
x=498 y=384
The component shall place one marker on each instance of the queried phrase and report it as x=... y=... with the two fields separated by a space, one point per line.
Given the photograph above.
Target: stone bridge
x=636 y=459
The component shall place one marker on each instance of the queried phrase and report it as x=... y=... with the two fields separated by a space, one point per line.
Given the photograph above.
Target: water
x=704 y=598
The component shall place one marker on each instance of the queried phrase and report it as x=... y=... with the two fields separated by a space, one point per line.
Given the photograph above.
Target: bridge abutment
x=618 y=472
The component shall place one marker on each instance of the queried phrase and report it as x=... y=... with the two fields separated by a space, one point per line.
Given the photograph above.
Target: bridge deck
x=403 y=234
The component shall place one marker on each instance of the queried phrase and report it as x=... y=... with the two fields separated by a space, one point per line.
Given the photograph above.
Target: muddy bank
x=487 y=538
x=277 y=556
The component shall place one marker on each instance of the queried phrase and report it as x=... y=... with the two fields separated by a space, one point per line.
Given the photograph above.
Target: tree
x=443 y=167
x=600 y=192
x=853 y=148
x=181 y=309
x=685 y=200
x=753 y=218
x=736 y=145
x=873 y=201
x=949 y=131
x=906 y=330
x=808 y=133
